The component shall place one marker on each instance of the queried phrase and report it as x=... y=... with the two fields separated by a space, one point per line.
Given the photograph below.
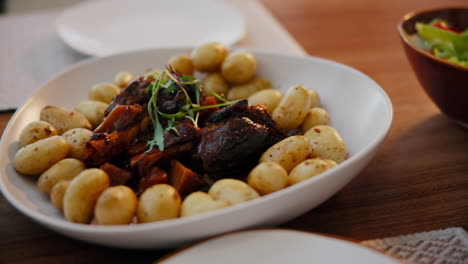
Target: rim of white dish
x=64 y=224
x=336 y=238
x=60 y=27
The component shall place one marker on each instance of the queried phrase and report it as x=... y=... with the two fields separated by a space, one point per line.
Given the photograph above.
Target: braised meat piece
x=117 y=176
x=256 y=113
x=227 y=112
x=237 y=142
x=186 y=132
x=134 y=93
x=143 y=162
x=117 y=134
x=259 y=115
x=171 y=103
x=121 y=117
x=146 y=165
x=154 y=176
x=105 y=146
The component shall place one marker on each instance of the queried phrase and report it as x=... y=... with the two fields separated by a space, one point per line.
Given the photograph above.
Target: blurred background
x=10 y=6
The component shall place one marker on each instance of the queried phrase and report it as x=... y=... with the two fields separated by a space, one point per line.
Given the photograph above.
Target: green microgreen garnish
x=170 y=82
x=219 y=97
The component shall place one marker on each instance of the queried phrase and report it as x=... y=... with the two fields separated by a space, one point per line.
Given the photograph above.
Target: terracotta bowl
x=445 y=83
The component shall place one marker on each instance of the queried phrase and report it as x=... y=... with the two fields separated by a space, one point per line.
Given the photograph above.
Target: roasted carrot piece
x=184 y=179
x=117 y=176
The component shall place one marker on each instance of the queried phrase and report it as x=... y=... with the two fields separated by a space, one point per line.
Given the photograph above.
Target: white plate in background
x=359 y=108
x=107 y=27
x=276 y=246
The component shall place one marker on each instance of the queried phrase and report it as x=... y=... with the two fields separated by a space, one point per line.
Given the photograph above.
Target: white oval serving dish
x=359 y=108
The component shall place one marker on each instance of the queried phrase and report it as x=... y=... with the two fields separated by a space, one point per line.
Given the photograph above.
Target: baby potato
x=116 y=206
x=65 y=169
x=241 y=92
x=81 y=196
x=315 y=116
x=103 y=92
x=310 y=168
x=182 y=63
x=159 y=202
x=330 y=163
x=288 y=152
x=268 y=177
x=77 y=139
x=314 y=98
x=93 y=111
x=123 y=78
x=270 y=98
x=63 y=119
x=209 y=56
x=239 y=67
x=37 y=157
x=57 y=193
x=35 y=131
x=214 y=82
x=232 y=191
x=292 y=109
x=327 y=143
x=201 y=202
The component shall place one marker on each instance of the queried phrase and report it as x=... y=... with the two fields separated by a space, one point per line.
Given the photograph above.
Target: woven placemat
x=446 y=246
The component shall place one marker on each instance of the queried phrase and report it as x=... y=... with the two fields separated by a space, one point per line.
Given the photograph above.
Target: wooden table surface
x=417 y=182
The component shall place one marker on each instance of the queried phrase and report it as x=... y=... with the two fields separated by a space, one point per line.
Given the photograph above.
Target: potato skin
x=309 y=168
x=209 y=56
x=268 y=177
x=239 y=67
x=240 y=92
x=92 y=110
x=201 y=202
x=159 y=202
x=288 y=152
x=270 y=98
x=116 y=206
x=315 y=116
x=314 y=98
x=292 y=109
x=123 y=78
x=39 y=156
x=63 y=119
x=327 y=143
x=58 y=192
x=103 y=92
x=81 y=196
x=182 y=63
x=77 y=139
x=232 y=191
x=65 y=169
x=214 y=82
x=35 y=131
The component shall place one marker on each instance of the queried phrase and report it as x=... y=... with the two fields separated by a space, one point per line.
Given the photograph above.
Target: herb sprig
x=167 y=82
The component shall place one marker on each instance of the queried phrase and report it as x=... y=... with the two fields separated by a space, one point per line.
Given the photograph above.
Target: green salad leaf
x=444 y=43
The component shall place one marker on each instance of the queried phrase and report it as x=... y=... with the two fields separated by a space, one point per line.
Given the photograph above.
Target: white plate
x=359 y=109
x=111 y=26
x=276 y=246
